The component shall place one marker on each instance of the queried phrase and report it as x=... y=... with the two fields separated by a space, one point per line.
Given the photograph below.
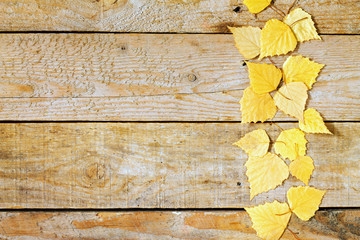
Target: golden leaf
x=291 y=143
x=304 y=201
x=270 y=220
x=302 y=25
x=265 y=173
x=291 y=99
x=255 y=143
x=256 y=6
x=276 y=38
x=313 y=122
x=247 y=40
x=256 y=107
x=302 y=168
x=264 y=78
x=301 y=69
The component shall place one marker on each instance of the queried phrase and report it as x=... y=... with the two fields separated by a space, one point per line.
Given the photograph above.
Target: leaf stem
x=292 y=5
x=281 y=214
x=284 y=96
x=278 y=11
x=277 y=126
x=294 y=234
x=298 y=21
x=271 y=60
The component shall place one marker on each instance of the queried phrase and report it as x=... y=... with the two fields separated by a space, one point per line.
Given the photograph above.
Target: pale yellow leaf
x=256 y=107
x=291 y=143
x=313 y=122
x=302 y=25
x=302 y=168
x=270 y=220
x=264 y=78
x=247 y=40
x=265 y=173
x=304 y=201
x=255 y=143
x=276 y=38
x=301 y=69
x=256 y=6
x=291 y=99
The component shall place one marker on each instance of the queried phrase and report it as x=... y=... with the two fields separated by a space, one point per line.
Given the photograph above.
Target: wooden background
x=118 y=118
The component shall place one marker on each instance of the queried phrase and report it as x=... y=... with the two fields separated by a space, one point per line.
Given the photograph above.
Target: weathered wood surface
x=199 y=16
x=167 y=77
x=157 y=165
x=326 y=225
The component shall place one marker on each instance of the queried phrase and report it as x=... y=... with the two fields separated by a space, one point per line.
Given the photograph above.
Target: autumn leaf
x=247 y=40
x=255 y=143
x=313 y=122
x=291 y=99
x=256 y=107
x=302 y=168
x=304 y=201
x=270 y=220
x=256 y=6
x=276 y=38
x=264 y=78
x=302 y=25
x=291 y=143
x=265 y=173
x=301 y=69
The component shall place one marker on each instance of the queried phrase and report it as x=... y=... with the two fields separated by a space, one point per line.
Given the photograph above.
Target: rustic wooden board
x=326 y=225
x=199 y=16
x=166 y=77
x=157 y=165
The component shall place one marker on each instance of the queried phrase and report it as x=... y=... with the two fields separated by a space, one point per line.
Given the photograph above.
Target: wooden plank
x=132 y=77
x=326 y=225
x=157 y=165
x=196 y=16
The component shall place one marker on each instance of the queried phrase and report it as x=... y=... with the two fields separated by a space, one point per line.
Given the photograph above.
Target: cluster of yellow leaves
x=277 y=37
x=271 y=219
x=266 y=170
x=299 y=74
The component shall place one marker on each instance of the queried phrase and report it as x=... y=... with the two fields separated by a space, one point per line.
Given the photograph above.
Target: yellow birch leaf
x=301 y=69
x=256 y=6
x=265 y=173
x=302 y=168
x=256 y=107
x=291 y=99
x=304 y=201
x=291 y=143
x=264 y=78
x=276 y=38
x=313 y=122
x=302 y=25
x=255 y=143
x=247 y=40
x=270 y=220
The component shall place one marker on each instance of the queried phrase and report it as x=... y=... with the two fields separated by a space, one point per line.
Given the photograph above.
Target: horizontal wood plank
x=326 y=225
x=155 y=77
x=199 y=16
x=157 y=165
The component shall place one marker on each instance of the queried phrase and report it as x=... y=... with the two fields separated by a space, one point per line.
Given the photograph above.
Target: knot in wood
x=192 y=77
x=95 y=171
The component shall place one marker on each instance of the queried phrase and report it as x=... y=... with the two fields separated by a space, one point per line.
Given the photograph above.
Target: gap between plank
x=199 y=122
x=147 y=33
x=149 y=209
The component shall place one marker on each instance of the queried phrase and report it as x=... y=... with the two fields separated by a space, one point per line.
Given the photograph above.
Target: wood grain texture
x=326 y=225
x=156 y=77
x=199 y=16
x=157 y=165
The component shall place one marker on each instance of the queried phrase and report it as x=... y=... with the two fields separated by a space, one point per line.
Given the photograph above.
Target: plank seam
x=149 y=209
